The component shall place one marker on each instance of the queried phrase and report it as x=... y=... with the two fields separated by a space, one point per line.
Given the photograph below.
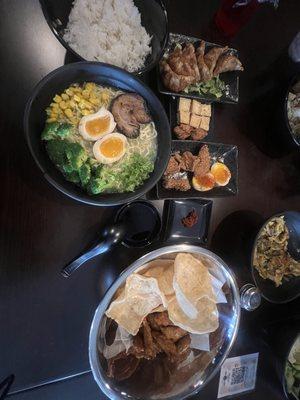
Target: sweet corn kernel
x=89 y=85
x=50 y=119
x=86 y=112
x=70 y=92
x=77 y=98
x=63 y=105
x=86 y=93
x=65 y=96
x=57 y=99
x=72 y=104
x=68 y=113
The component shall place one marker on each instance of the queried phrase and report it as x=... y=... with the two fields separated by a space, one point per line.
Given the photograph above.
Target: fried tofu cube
x=184 y=117
x=206 y=110
x=195 y=121
x=184 y=104
x=204 y=124
x=196 y=107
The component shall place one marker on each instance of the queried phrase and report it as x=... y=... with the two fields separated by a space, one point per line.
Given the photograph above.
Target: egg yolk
x=97 y=126
x=206 y=181
x=221 y=173
x=112 y=147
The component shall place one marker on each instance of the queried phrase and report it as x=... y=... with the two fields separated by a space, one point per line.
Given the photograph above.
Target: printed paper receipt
x=238 y=374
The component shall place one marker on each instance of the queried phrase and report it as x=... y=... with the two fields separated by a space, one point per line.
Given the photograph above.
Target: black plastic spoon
x=111 y=236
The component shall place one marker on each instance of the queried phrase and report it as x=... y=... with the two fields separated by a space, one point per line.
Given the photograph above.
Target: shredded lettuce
x=214 y=86
x=131 y=174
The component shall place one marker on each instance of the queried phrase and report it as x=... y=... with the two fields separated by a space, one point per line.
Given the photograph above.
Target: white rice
x=109 y=31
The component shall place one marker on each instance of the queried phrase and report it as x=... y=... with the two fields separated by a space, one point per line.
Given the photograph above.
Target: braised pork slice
x=129 y=111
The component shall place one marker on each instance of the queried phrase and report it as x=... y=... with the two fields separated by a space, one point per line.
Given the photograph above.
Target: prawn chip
x=207 y=319
x=163 y=271
x=193 y=278
x=140 y=297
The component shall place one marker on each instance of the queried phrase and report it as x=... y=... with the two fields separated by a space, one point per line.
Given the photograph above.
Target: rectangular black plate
x=231 y=79
x=175 y=210
x=226 y=153
x=173 y=107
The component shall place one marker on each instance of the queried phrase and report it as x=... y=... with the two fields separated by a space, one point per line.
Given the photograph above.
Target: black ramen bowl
x=154 y=20
x=293 y=138
x=56 y=82
x=290 y=288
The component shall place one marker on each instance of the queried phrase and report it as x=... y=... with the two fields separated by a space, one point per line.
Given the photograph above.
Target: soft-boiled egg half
x=204 y=183
x=110 y=148
x=94 y=126
x=221 y=173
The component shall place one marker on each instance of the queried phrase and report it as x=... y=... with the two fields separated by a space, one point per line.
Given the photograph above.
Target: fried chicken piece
x=122 y=366
x=151 y=349
x=212 y=56
x=183 y=348
x=177 y=157
x=198 y=134
x=159 y=319
x=205 y=74
x=227 y=62
x=202 y=162
x=183 y=131
x=172 y=167
x=187 y=161
x=181 y=184
x=166 y=345
x=173 y=333
x=137 y=349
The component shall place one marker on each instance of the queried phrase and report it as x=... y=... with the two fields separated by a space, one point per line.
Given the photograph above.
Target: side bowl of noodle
x=108 y=76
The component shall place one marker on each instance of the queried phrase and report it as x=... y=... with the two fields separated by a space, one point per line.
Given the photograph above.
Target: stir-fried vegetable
x=292 y=375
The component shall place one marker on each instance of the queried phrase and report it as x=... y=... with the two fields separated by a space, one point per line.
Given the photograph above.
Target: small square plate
x=226 y=153
x=175 y=210
x=173 y=107
x=231 y=79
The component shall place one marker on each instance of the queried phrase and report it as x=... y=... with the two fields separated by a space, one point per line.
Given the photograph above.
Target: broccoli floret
x=50 y=130
x=76 y=155
x=85 y=174
x=96 y=185
x=56 y=151
x=67 y=156
x=64 y=130
x=55 y=130
x=96 y=171
x=73 y=177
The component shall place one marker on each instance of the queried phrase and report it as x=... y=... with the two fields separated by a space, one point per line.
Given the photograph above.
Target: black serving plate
x=295 y=138
x=231 y=79
x=173 y=107
x=290 y=288
x=175 y=210
x=153 y=15
x=226 y=153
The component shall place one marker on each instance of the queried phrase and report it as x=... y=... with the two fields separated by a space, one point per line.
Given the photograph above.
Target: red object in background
x=230 y=18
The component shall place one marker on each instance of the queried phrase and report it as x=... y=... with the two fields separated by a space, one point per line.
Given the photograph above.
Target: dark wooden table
x=45 y=319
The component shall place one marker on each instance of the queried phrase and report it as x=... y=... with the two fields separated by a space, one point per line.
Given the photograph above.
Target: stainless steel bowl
x=229 y=316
